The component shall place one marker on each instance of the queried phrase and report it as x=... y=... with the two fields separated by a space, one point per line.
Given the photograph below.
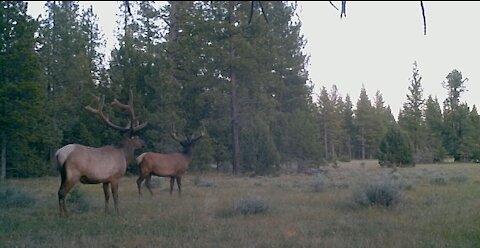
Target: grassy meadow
x=429 y=206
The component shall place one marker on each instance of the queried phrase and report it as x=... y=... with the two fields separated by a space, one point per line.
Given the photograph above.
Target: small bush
x=460 y=178
x=251 y=205
x=383 y=194
x=156 y=182
x=15 y=198
x=319 y=184
x=439 y=180
x=196 y=180
x=199 y=183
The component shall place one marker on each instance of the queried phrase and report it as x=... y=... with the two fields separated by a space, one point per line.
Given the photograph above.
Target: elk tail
x=140 y=158
x=62 y=154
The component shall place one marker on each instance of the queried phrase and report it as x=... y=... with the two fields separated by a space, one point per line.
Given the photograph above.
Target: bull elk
x=171 y=165
x=106 y=165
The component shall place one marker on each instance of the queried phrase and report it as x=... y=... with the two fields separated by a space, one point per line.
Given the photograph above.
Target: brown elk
x=106 y=165
x=171 y=165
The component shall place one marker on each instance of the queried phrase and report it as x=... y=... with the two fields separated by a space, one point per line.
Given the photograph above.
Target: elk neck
x=127 y=148
x=188 y=151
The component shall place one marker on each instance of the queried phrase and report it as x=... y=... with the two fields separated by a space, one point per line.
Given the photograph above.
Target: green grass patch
x=262 y=211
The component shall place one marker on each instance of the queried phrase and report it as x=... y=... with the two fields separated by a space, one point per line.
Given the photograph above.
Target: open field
x=437 y=206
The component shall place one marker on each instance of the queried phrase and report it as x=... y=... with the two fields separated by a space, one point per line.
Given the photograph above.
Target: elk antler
x=189 y=139
x=174 y=134
x=202 y=133
x=133 y=124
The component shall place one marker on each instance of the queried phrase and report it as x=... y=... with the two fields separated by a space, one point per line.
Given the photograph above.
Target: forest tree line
x=241 y=74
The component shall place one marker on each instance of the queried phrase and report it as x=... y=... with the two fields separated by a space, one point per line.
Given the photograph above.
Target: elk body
x=106 y=165
x=172 y=165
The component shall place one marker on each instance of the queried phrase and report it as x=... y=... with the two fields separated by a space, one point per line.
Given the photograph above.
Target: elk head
x=188 y=141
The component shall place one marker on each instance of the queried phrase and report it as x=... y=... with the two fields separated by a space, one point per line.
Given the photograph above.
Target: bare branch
x=424 y=19
x=251 y=12
x=333 y=5
x=252 y=7
x=344 y=9
x=263 y=11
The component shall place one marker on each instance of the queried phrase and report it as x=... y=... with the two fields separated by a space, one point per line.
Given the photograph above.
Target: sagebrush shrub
x=439 y=180
x=319 y=184
x=383 y=194
x=459 y=178
x=251 y=205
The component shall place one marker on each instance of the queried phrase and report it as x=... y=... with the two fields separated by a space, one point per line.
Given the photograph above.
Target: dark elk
x=171 y=165
x=106 y=165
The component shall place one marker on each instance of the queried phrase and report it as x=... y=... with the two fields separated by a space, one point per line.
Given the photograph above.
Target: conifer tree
x=22 y=117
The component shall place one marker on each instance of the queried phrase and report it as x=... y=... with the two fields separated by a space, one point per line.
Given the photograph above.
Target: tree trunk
x=363 y=144
x=173 y=32
x=235 y=125
x=325 y=140
x=234 y=100
x=3 y=170
x=173 y=38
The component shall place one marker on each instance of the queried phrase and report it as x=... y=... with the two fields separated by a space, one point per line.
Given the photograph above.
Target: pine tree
x=454 y=113
x=330 y=107
x=350 y=132
x=74 y=70
x=395 y=149
x=382 y=120
x=412 y=120
x=21 y=98
x=434 y=129
x=364 y=115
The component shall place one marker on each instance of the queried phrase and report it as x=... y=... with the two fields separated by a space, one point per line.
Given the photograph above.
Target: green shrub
x=319 y=184
x=382 y=194
x=460 y=178
x=439 y=180
x=251 y=205
x=395 y=149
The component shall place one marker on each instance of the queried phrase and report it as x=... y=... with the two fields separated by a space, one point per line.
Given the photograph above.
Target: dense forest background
x=240 y=73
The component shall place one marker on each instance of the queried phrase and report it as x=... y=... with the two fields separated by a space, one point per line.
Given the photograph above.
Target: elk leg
x=179 y=184
x=115 y=194
x=65 y=187
x=172 y=182
x=107 y=196
x=147 y=183
x=139 y=184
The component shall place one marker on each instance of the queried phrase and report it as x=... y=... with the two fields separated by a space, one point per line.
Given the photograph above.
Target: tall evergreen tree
x=434 y=130
x=364 y=116
x=73 y=68
x=382 y=120
x=330 y=111
x=252 y=69
x=350 y=132
x=412 y=119
x=21 y=98
x=455 y=117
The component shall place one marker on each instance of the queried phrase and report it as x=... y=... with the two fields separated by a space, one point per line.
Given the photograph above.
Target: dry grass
x=299 y=215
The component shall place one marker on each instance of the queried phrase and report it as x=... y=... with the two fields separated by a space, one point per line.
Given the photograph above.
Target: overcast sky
x=376 y=45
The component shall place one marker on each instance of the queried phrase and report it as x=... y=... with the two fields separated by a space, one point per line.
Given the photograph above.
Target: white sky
x=375 y=45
